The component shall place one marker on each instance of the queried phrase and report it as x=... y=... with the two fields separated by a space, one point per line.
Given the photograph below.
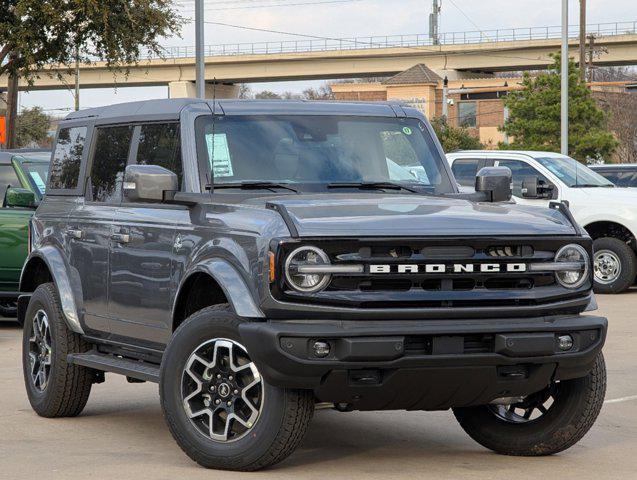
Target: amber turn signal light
x=272 y=267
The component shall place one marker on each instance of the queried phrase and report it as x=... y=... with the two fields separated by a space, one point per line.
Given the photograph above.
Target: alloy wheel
x=530 y=409
x=222 y=390
x=607 y=266
x=40 y=351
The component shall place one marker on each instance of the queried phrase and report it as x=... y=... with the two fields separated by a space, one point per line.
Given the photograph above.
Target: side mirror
x=148 y=183
x=19 y=197
x=533 y=188
x=495 y=182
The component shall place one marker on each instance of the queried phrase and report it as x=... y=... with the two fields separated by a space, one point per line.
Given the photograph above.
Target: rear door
x=141 y=280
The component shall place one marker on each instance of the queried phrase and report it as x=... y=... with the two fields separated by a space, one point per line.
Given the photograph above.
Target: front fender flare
x=54 y=261
x=231 y=282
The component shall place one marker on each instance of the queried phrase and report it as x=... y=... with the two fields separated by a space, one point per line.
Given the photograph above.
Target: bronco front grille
x=436 y=273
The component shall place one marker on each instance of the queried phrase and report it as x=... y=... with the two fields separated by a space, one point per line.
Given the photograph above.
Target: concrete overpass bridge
x=458 y=54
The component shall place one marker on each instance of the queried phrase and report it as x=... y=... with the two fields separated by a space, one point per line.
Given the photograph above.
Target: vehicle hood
x=357 y=215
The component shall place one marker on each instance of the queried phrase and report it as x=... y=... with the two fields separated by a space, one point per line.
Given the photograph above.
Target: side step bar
x=110 y=363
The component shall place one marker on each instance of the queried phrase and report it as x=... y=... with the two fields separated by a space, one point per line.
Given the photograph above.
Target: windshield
x=573 y=173
x=316 y=152
x=38 y=173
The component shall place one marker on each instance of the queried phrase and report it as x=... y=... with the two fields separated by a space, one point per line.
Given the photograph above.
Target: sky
x=339 y=19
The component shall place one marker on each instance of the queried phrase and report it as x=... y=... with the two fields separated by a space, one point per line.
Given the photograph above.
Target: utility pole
x=445 y=98
x=434 y=20
x=199 y=49
x=582 y=39
x=77 y=79
x=564 y=143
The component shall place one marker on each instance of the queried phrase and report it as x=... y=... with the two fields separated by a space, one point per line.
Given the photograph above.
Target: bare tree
x=245 y=92
x=622 y=121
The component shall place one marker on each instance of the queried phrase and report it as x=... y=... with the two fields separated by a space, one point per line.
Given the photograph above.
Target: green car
x=23 y=175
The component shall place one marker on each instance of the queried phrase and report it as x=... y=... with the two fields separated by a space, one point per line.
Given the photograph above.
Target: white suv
x=608 y=214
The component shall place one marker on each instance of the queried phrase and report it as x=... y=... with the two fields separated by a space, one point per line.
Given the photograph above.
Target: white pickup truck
x=608 y=214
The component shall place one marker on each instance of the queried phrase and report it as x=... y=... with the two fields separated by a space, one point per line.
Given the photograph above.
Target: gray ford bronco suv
x=257 y=258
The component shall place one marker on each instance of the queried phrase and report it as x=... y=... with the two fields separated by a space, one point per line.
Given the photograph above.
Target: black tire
x=571 y=416
x=627 y=261
x=284 y=415
x=69 y=386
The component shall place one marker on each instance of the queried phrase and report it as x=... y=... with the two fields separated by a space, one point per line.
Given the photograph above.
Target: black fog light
x=321 y=349
x=565 y=342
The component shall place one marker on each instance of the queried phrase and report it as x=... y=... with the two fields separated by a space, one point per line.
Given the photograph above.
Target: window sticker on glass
x=219 y=153
x=37 y=179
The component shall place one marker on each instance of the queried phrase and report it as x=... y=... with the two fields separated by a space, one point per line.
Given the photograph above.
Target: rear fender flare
x=60 y=274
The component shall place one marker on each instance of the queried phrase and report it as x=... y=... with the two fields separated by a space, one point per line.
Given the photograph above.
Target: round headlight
x=577 y=259
x=303 y=281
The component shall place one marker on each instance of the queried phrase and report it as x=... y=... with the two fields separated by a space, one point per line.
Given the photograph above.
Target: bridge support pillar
x=186 y=89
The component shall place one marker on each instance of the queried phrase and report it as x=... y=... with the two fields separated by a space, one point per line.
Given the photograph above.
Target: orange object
x=3 y=130
x=272 y=267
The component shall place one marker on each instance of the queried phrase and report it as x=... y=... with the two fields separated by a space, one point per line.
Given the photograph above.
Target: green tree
x=534 y=116
x=34 y=33
x=33 y=127
x=454 y=138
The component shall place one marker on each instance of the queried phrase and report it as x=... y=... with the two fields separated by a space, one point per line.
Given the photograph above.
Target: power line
x=468 y=18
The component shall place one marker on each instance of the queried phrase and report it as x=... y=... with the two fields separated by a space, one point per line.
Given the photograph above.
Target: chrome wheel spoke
x=222 y=390
x=40 y=350
x=606 y=266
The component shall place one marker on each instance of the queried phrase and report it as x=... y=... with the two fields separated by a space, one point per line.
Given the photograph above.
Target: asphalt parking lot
x=121 y=434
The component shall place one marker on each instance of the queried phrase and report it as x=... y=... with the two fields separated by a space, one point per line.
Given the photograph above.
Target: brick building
x=475 y=103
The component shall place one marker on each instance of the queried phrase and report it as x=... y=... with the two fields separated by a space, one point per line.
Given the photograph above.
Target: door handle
x=120 y=237
x=76 y=234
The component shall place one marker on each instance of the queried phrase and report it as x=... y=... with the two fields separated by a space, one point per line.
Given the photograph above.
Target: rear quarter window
x=67 y=159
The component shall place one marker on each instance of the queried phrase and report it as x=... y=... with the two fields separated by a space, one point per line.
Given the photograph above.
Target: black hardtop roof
x=171 y=108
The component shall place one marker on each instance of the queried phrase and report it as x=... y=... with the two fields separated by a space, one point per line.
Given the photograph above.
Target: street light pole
x=199 y=49
x=564 y=145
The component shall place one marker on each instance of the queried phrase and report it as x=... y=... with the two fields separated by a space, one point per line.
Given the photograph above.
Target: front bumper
x=424 y=365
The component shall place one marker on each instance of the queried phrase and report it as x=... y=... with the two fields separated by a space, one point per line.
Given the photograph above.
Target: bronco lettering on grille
x=438 y=268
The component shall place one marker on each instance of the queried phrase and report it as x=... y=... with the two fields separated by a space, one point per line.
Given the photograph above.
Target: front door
x=144 y=241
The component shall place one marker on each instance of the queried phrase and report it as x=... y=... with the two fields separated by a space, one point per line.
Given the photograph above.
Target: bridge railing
x=397 y=41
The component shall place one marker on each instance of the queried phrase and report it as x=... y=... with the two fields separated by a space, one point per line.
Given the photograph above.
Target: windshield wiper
x=255 y=186
x=373 y=186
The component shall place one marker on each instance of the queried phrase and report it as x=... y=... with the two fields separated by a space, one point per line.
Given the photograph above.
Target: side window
x=521 y=171
x=8 y=177
x=624 y=179
x=467 y=114
x=465 y=171
x=110 y=157
x=402 y=160
x=67 y=159
x=160 y=144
